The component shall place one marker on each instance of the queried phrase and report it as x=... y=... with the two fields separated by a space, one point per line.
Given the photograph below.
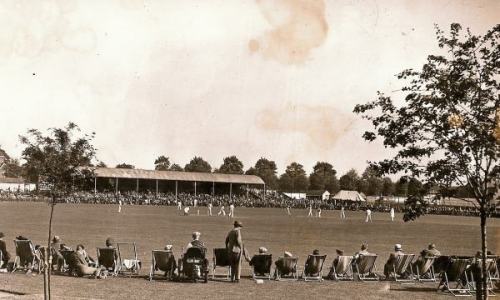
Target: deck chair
x=313 y=268
x=261 y=268
x=288 y=270
x=365 y=266
x=26 y=256
x=162 y=260
x=493 y=271
x=343 y=269
x=402 y=269
x=425 y=270
x=66 y=256
x=127 y=258
x=456 y=272
x=108 y=258
x=490 y=262
x=221 y=259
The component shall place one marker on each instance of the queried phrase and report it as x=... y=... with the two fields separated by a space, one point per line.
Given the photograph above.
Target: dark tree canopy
x=294 y=179
x=125 y=166
x=267 y=170
x=162 y=163
x=231 y=165
x=176 y=167
x=323 y=178
x=349 y=181
x=198 y=164
x=12 y=168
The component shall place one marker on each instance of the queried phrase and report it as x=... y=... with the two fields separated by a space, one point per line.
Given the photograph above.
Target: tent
x=353 y=196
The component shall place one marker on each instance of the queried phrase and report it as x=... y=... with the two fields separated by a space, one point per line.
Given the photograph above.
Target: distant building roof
x=349 y=196
x=12 y=180
x=177 y=175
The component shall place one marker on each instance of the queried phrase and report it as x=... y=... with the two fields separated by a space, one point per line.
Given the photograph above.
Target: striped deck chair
x=129 y=263
x=162 y=260
x=108 y=259
x=365 y=266
x=493 y=271
x=343 y=269
x=402 y=269
x=220 y=259
x=286 y=268
x=456 y=272
x=478 y=262
x=66 y=256
x=425 y=269
x=313 y=268
x=261 y=266
x=26 y=256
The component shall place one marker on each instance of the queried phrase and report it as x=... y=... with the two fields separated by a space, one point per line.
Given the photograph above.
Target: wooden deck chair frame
x=101 y=261
x=493 y=273
x=461 y=288
x=135 y=263
x=426 y=269
x=366 y=270
x=220 y=259
x=19 y=244
x=155 y=255
x=319 y=277
x=292 y=263
x=400 y=268
x=343 y=269
x=267 y=275
x=65 y=254
x=489 y=283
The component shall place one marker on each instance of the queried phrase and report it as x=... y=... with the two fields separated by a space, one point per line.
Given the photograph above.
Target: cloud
x=298 y=26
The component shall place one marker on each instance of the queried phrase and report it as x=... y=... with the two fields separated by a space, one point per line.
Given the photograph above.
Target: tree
x=176 y=167
x=267 y=170
x=231 y=165
x=371 y=183
x=13 y=168
x=125 y=166
x=57 y=159
x=388 y=188
x=446 y=130
x=349 y=181
x=162 y=163
x=323 y=178
x=198 y=164
x=294 y=178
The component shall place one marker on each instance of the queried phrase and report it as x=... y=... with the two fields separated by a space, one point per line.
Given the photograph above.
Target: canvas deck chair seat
x=221 y=260
x=493 y=272
x=342 y=270
x=402 y=268
x=424 y=269
x=479 y=264
x=66 y=254
x=108 y=259
x=261 y=266
x=456 y=272
x=366 y=268
x=27 y=258
x=286 y=268
x=129 y=263
x=163 y=261
x=194 y=265
x=313 y=268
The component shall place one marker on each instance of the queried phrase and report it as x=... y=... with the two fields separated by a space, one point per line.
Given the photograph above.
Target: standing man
x=288 y=212
x=222 y=211
x=392 y=214
x=234 y=247
x=342 y=212
x=310 y=214
x=209 y=206
x=179 y=205
x=5 y=254
x=195 y=202
x=319 y=212
x=231 y=211
x=368 y=215
x=119 y=205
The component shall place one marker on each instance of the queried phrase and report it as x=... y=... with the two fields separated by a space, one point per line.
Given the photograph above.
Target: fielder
x=231 y=211
x=368 y=215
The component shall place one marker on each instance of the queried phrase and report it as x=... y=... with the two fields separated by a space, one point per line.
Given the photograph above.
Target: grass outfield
x=153 y=227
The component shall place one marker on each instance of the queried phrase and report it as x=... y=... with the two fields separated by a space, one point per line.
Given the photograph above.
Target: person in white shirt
x=342 y=212
x=222 y=211
x=288 y=212
x=195 y=202
x=209 y=209
x=231 y=211
x=392 y=214
x=319 y=212
x=186 y=210
x=368 y=215
x=310 y=214
x=119 y=205
x=179 y=205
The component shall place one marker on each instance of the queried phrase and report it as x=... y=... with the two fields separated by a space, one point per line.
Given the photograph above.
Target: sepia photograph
x=249 y=149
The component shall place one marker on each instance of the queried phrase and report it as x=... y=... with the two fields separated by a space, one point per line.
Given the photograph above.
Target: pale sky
x=275 y=79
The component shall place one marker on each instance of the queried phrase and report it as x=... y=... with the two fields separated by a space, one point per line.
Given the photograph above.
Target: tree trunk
x=483 y=294
x=48 y=254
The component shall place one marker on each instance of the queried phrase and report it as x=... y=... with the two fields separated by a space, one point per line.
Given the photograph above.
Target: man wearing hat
x=234 y=246
x=432 y=251
x=57 y=257
x=3 y=250
x=259 y=263
x=389 y=265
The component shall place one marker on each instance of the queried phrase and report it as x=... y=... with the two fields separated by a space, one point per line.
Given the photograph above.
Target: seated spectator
x=431 y=251
x=363 y=251
x=110 y=243
x=79 y=265
x=196 y=242
x=57 y=258
x=259 y=266
x=5 y=254
x=311 y=266
x=335 y=262
x=389 y=265
x=280 y=264
x=171 y=264
x=63 y=247
x=81 y=249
